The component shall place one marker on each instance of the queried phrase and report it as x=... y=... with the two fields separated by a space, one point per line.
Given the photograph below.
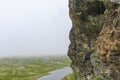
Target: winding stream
x=57 y=74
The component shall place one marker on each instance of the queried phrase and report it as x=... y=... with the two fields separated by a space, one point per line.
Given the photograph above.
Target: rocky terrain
x=95 y=39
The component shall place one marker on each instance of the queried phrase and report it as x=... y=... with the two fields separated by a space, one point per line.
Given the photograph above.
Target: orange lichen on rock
x=108 y=40
x=108 y=47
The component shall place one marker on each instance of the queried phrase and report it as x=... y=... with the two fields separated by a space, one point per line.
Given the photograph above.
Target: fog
x=34 y=27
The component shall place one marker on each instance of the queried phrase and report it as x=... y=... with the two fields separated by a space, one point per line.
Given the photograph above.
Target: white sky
x=34 y=27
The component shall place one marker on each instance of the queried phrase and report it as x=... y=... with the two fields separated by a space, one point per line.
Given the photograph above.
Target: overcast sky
x=34 y=27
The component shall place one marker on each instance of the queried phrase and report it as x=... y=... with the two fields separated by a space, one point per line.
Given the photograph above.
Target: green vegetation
x=30 y=68
x=69 y=77
x=97 y=78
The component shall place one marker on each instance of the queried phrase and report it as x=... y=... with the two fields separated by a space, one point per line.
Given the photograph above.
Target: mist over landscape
x=34 y=39
x=34 y=27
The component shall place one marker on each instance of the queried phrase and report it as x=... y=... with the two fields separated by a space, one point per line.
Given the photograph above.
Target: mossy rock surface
x=95 y=22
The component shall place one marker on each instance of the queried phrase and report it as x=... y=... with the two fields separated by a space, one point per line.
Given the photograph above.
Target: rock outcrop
x=95 y=35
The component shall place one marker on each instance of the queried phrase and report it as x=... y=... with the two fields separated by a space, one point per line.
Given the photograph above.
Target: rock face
x=95 y=35
x=108 y=47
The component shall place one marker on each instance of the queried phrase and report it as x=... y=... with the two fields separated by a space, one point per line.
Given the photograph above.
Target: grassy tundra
x=30 y=68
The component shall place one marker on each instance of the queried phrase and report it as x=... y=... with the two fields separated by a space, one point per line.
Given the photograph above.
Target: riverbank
x=30 y=68
x=69 y=77
x=57 y=74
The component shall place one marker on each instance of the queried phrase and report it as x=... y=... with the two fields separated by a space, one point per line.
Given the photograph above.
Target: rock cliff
x=95 y=39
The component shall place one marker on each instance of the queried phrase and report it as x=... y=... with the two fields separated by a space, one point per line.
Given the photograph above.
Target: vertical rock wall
x=108 y=47
x=88 y=18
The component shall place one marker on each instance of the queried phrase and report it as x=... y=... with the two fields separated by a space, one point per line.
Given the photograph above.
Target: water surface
x=57 y=74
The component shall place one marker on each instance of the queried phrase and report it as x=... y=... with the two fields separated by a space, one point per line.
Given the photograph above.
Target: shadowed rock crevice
x=95 y=8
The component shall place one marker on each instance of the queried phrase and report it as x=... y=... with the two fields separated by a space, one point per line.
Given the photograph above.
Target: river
x=57 y=74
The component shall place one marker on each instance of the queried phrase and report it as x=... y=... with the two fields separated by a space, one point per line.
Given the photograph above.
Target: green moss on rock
x=89 y=17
